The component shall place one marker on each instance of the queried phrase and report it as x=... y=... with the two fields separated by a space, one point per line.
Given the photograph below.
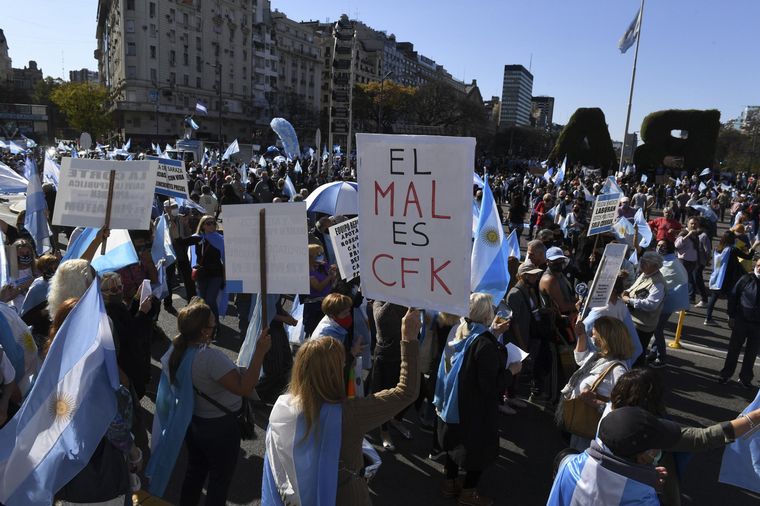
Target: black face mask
x=556 y=268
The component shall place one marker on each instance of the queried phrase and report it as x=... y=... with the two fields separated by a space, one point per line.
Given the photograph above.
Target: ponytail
x=190 y=320
x=178 y=353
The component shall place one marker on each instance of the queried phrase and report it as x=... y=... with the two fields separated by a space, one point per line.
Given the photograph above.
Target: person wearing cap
x=625 y=210
x=646 y=296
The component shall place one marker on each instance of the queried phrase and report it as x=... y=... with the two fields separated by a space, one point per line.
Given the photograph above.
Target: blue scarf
x=446 y=398
x=175 y=402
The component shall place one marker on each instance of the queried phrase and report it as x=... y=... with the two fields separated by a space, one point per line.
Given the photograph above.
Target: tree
x=388 y=103
x=85 y=106
x=737 y=150
x=41 y=95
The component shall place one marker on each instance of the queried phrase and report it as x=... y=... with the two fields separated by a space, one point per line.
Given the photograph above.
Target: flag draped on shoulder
x=631 y=34
x=489 y=258
x=67 y=412
x=741 y=459
x=300 y=470
x=446 y=399
x=35 y=220
x=720 y=266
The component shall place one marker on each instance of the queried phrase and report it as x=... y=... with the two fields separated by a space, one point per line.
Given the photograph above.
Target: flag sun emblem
x=62 y=407
x=28 y=342
x=490 y=236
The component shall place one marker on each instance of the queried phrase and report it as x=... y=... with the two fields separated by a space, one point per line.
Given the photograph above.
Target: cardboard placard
x=605 y=213
x=345 y=242
x=606 y=275
x=287 y=250
x=171 y=178
x=415 y=207
x=83 y=193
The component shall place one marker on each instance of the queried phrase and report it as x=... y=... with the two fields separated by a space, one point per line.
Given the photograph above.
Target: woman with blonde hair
x=71 y=279
x=208 y=263
x=612 y=342
x=314 y=440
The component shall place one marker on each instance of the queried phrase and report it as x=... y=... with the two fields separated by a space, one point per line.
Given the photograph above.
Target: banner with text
x=345 y=241
x=171 y=178
x=415 y=207
x=287 y=249
x=605 y=213
x=83 y=193
x=606 y=275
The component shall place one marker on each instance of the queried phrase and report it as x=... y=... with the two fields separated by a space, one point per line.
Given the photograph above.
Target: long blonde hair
x=317 y=377
x=614 y=338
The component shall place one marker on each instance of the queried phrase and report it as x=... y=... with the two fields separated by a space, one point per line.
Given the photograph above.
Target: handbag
x=580 y=418
x=245 y=416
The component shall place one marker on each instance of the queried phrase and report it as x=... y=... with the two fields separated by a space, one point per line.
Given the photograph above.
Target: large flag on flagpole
x=489 y=258
x=67 y=412
x=631 y=34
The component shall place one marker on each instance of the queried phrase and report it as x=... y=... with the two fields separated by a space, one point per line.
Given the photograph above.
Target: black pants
x=452 y=471
x=742 y=331
x=699 y=283
x=213 y=445
x=644 y=337
x=385 y=374
x=690 y=266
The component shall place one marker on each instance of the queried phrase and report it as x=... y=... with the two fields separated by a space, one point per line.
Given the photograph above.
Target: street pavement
x=529 y=440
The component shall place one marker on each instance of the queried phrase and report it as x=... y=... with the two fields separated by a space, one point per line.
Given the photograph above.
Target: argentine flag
x=645 y=233
x=16 y=149
x=611 y=186
x=11 y=181
x=36 y=221
x=548 y=174
x=289 y=189
x=513 y=245
x=720 y=266
x=631 y=34
x=231 y=150
x=201 y=108
x=162 y=248
x=120 y=251
x=67 y=412
x=51 y=171
x=489 y=272
x=561 y=172
x=741 y=459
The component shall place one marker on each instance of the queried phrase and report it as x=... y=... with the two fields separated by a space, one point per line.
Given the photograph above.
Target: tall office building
x=83 y=76
x=516 y=95
x=542 y=111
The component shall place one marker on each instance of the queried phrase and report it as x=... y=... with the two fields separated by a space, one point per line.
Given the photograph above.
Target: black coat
x=473 y=443
x=132 y=333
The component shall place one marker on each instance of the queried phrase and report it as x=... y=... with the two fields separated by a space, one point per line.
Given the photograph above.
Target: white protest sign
x=171 y=178
x=605 y=213
x=83 y=193
x=415 y=207
x=345 y=241
x=606 y=275
x=287 y=249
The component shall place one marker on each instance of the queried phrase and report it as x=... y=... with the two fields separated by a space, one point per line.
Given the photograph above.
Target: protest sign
x=287 y=254
x=606 y=275
x=345 y=241
x=171 y=178
x=82 y=198
x=415 y=207
x=605 y=212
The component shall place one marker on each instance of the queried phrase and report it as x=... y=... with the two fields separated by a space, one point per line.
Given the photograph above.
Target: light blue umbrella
x=339 y=197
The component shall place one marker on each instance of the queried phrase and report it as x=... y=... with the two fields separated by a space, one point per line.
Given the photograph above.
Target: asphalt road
x=529 y=441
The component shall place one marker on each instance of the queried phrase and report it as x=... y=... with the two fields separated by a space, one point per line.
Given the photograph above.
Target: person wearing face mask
x=646 y=296
x=555 y=289
x=26 y=271
x=34 y=309
x=321 y=279
x=625 y=210
x=744 y=321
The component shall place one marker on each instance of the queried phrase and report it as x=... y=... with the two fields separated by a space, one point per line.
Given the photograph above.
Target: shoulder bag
x=245 y=417
x=579 y=417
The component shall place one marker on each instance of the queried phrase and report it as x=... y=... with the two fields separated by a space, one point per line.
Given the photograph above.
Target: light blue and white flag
x=231 y=150
x=162 y=248
x=477 y=180
x=325 y=153
x=15 y=148
x=35 y=221
x=5 y=268
x=585 y=480
x=644 y=178
x=20 y=347
x=297 y=169
x=702 y=186
x=120 y=252
x=201 y=108
x=513 y=244
x=624 y=230
x=205 y=158
x=288 y=188
x=243 y=170
x=3 y=144
x=489 y=272
x=741 y=459
x=705 y=172
x=254 y=327
x=301 y=468
x=67 y=412
x=296 y=334
x=645 y=233
x=611 y=186
x=720 y=266
x=192 y=124
x=168 y=147
x=74 y=153
x=183 y=202
x=262 y=162
x=706 y=211
x=11 y=181
x=631 y=34
x=634 y=258
x=29 y=142
x=560 y=176
x=51 y=171
x=127 y=146
x=588 y=197
x=548 y=174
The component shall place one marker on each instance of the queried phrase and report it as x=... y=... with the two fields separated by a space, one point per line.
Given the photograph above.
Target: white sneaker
x=516 y=403
x=700 y=304
x=506 y=410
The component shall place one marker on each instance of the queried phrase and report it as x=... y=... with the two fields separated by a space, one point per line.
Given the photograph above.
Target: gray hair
x=652 y=258
x=71 y=279
x=535 y=243
x=481 y=311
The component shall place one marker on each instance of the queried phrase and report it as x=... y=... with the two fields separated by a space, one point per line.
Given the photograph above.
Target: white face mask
x=175 y=212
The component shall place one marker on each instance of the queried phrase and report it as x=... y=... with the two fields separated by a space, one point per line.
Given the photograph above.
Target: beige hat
x=528 y=268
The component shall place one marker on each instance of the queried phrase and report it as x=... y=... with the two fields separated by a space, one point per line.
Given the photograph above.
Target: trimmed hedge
x=586 y=123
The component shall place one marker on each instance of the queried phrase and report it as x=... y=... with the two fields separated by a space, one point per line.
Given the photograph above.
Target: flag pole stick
x=263 y=267
x=633 y=80
x=107 y=226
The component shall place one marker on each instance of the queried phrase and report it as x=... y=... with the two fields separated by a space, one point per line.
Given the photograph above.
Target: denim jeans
x=659 y=349
x=208 y=290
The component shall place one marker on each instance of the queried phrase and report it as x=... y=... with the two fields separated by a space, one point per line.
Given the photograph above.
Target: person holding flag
x=726 y=271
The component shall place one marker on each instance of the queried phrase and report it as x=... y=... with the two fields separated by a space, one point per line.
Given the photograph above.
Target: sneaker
x=506 y=410
x=701 y=303
x=516 y=403
x=657 y=363
x=746 y=384
x=387 y=441
x=709 y=321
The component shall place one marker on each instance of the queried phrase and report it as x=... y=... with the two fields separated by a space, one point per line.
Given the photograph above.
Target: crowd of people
x=362 y=365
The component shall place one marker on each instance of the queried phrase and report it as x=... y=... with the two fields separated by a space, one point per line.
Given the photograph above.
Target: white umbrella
x=335 y=198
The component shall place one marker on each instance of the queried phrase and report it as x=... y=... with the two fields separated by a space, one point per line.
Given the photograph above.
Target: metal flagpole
x=633 y=80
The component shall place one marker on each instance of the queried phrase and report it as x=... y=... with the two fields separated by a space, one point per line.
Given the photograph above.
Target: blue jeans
x=658 y=348
x=208 y=290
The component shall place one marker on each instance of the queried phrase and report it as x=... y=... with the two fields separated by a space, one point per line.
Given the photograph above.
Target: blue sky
x=694 y=53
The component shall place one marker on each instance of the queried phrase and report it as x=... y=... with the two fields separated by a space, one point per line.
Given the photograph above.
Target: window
x=172 y=57
x=131 y=72
x=198 y=64
x=198 y=43
x=153 y=52
x=153 y=31
x=185 y=19
x=130 y=26
x=232 y=88
x=131 y=49
x=185 y=59
x=172 y=78
x=198 y=82
x=153 y=75
x=130 y=5
x=172 y=35
x=186 y=80
x=152 y=9
x=172 y=15
x=136 y=121
x=186 y=101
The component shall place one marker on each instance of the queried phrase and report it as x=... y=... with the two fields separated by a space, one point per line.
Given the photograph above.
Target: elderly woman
x=602 y=367
x=471 y=377
x=646 y=296
x=677 y=281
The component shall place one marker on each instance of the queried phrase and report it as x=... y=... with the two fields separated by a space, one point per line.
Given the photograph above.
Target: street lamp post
x=380 y=102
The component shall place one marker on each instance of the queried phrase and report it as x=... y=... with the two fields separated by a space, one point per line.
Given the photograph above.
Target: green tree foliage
x=41 y=95
x=391 y=101
x=738 y=150
x=85 y=106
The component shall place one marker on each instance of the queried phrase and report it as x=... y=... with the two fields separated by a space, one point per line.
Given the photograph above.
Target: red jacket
x=664 y=228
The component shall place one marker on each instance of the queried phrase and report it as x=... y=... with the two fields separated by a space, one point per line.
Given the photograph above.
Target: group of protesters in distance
x=361 y=370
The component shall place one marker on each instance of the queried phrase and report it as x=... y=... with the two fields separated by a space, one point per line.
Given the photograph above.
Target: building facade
x=83 y=76
x=6 y=70
x=542 y=112
x=517 y=92
x=163 y=57
x=27 y=78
